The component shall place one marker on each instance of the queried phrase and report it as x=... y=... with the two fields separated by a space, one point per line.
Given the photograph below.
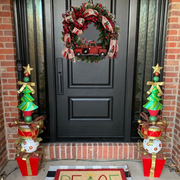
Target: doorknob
x=60 y=75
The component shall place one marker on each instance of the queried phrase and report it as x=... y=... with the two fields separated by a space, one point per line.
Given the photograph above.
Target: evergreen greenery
x=103 y=36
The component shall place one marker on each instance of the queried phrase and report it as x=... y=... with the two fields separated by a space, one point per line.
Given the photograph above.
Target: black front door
x=91 y=97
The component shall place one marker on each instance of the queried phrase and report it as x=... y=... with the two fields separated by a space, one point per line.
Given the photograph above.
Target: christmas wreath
x=77 y=21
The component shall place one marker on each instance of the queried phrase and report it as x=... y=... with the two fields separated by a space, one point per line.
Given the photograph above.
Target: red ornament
x=26 y=74
x=106 y=37
x=156 y=74
x=100 y=5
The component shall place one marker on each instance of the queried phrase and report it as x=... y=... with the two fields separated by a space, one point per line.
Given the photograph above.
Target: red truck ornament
x=90 y=49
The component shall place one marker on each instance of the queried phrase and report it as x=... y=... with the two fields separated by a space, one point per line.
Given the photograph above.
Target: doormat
x=52 y=171
x=90 y=174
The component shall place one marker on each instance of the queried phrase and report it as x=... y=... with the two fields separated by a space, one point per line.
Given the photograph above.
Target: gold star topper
x=157 y=68
x=27 y=69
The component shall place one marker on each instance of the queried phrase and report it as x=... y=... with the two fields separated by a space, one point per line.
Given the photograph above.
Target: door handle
x=60 y=75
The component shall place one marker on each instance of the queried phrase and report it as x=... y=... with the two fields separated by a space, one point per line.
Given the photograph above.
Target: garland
x=77 y=21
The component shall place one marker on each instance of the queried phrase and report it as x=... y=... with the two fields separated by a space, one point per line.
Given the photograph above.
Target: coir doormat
x=90 y=174
x=109 y=169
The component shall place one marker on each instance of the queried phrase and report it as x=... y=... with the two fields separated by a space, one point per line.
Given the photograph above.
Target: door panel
x=91 y=75
x=92 y=102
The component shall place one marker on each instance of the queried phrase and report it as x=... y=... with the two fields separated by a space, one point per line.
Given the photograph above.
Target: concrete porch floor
x=135 y=167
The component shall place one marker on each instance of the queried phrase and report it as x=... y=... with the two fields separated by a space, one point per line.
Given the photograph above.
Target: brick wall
x=3 y=150
x=171 y=98
x=8 y=72
x=172 y=78
x=92 y=151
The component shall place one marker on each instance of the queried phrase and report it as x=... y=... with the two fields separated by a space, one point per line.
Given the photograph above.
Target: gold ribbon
x=29 y=84
x=153 y=164
x=157 y=84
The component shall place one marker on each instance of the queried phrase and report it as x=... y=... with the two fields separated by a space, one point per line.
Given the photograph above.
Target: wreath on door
x=77 y=21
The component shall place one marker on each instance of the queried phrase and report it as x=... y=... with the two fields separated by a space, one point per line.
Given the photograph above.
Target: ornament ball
x=156 y=74
x=26 y=79
x=155 y=78
x=26 y=74
x=28 y=118
x=152 y=118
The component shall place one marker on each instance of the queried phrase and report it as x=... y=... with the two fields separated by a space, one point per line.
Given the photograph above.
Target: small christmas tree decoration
x=27 y=106
x=155 y=92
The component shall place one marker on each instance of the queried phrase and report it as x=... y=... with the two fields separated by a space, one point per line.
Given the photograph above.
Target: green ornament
x=152 y=118
x=155 y=78
x=26 y=79
x=28 y=118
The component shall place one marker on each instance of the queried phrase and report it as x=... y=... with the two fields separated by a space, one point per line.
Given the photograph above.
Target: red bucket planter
x=27 y=113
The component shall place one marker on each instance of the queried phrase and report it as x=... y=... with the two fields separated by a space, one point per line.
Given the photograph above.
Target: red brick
x=173 y=38
x=172 y=50
x=131 y=151
x=14 y=103
x=9 y=33
x=174 y=6
x=10 y=45
x=57 y=155
x=51 y=151
x=6 y=2
x=115 y=151
x=62 y=151
x=171 y=32
x=5 y=14
x=95 y=149
x=90 y=149
x=2 y=57
x=12 y=81
x=105 y=148
x=84 y=151
x=11 y=69
x=173 y=19
x=10 y=57
x=6 y=7
x=171 y=1
x=1 y=45
x=110 y=151
x=68 y=151
x=121 y=151
x=8 y=75
x=13 y=92
x=126 y=151
x=10 y=98
x=8 y=20
x=6 y=39
x=100 y=150
x=73 y=150
x=8 y=63
x=79 y=151
x=7 y=51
